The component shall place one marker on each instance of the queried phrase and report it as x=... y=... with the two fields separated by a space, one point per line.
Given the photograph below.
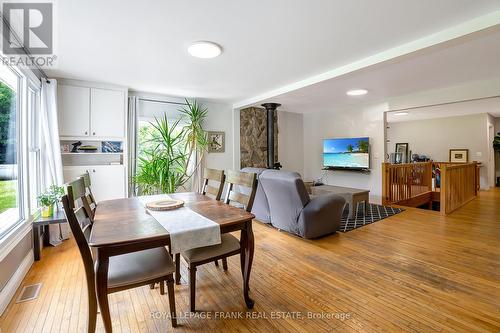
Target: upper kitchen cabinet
x=107 y=118
x=91 y=112
x=74 y=110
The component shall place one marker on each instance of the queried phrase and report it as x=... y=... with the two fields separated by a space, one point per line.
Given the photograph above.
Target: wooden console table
x=38 y=225
x=351 y=195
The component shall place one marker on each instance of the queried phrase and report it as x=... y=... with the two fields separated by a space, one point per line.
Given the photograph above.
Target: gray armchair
x=292 y=209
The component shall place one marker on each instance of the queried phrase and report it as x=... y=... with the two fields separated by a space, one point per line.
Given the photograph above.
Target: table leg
x=247 y=244
x=101 y=287
x=36 y=243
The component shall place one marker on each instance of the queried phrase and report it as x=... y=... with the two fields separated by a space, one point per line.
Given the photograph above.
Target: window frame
x=26 y=81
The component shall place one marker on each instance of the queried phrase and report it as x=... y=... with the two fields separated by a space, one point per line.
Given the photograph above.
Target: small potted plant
x=49 y=198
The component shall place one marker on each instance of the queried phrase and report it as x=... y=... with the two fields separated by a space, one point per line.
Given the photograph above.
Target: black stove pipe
x=271 y=110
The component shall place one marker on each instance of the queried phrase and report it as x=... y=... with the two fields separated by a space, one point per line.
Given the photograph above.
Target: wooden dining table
x=123 y=225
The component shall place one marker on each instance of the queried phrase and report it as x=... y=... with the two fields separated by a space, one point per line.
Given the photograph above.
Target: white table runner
x=187 y=229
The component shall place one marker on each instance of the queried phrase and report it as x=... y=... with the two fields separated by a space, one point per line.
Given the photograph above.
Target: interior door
x=74 y=110
x=108 y=113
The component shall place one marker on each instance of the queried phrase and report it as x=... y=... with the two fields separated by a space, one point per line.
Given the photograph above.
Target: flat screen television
x=346 y=153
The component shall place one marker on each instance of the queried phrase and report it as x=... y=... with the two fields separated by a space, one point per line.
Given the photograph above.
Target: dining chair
x=210 y=176
x=213 y=175
x=125 y=271
x=88 y=192
x=229 y=245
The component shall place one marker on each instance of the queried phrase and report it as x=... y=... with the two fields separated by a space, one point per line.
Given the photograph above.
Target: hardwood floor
x=417 y=271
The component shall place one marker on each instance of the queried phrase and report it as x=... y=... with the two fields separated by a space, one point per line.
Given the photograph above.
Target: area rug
x=374 y=214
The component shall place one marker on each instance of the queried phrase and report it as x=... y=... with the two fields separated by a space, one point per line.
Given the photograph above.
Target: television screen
x=349 y=153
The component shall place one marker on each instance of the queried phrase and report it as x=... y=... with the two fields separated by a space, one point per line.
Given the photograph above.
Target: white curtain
x=132 y=143
x=52 y=171
x=197 y=179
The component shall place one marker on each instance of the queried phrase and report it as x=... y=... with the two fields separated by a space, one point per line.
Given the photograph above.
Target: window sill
x=11 y=239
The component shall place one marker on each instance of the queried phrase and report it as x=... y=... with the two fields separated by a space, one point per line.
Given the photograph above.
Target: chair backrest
x=88 y=188
x=215 y=176
x=76 y=192
x=260 y=206
x=241 y=179
x=80 y=225
x=287 y=196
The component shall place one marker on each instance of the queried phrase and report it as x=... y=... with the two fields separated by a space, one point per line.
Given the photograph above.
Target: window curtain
x=197 y=178
x=52 y=171
x=132 y=143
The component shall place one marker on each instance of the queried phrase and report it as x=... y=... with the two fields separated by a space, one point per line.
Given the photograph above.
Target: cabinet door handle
x=86 y=133
x=93 y=170
x=93 y=133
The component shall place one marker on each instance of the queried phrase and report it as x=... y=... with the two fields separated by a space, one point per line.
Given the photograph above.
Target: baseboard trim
x=15 y=281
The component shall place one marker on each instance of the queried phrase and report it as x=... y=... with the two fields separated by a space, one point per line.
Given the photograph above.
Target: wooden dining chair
x=125 y=271
x=88 y=192
x=229 y=245
x=213 y=175
x=210 y=176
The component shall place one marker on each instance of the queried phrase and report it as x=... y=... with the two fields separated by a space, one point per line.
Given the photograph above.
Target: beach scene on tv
x=346 y=153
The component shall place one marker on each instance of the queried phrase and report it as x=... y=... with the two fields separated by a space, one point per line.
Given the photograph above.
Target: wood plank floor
x=416 y=272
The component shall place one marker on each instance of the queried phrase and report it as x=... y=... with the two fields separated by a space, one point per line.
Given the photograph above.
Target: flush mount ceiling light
x=204 y=50
x=357 y=92
x=401 y=113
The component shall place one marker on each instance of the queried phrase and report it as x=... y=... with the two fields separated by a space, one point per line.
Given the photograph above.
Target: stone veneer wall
x=253 y=137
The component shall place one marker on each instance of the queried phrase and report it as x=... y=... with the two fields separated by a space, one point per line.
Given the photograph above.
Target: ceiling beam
x=466 y=28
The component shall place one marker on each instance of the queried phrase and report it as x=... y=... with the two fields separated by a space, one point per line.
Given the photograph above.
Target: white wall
x=435 y=137
x=365 y=121
x=220 y=118
x=291 y=141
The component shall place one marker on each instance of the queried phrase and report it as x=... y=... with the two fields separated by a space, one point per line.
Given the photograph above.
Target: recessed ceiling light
x=401 y=113
x=357 y=92
x=204 y=50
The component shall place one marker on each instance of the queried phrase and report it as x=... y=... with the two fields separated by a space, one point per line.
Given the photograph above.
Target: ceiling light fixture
x=401 y=113
x=204 y=50
x=357 y=92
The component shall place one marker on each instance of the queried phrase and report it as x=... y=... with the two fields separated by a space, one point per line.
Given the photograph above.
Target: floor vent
x=29 y=292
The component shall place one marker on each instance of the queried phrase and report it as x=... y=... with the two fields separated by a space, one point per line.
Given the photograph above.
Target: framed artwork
x=459 y=155
x=111 y=146
x=402 y=148
x=216 y=142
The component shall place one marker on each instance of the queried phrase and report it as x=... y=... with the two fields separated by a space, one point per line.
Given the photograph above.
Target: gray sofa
x=283 y=201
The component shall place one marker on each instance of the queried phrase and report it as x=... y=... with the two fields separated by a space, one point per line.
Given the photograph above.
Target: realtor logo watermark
x=28 y=34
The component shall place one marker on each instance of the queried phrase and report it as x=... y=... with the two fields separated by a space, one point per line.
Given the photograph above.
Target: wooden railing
x=459 y=185
x=412 y=184
x=406 y=184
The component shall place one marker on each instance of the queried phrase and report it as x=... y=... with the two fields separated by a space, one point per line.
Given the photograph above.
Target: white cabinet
x=108 y=181
x=74 y=110
x=91 y=112
x=107 y=117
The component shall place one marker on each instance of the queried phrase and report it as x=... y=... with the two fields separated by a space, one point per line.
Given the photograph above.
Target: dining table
x=123 y=226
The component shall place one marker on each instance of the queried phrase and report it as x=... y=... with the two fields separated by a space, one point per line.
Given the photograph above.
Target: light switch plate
x=479 y=154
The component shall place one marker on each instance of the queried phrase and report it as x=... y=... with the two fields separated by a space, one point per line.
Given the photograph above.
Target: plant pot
x=47 y=211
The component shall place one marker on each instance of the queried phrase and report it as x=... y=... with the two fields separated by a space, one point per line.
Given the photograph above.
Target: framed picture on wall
x=216 y=142
x=402 y=148
x=459 y=155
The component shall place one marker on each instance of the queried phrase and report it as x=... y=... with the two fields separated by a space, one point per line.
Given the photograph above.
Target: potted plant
x=496 y=142
x=171 y=151
x=49 y=198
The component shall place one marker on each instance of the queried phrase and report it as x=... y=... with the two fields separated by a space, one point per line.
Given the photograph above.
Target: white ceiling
x=267 y=44
x=487 y=105
x=472 y=58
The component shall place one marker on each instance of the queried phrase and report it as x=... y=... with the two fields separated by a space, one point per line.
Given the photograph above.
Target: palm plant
x=164 y=164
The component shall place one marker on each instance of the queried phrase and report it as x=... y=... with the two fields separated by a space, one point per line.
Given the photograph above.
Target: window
x=11 y=186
